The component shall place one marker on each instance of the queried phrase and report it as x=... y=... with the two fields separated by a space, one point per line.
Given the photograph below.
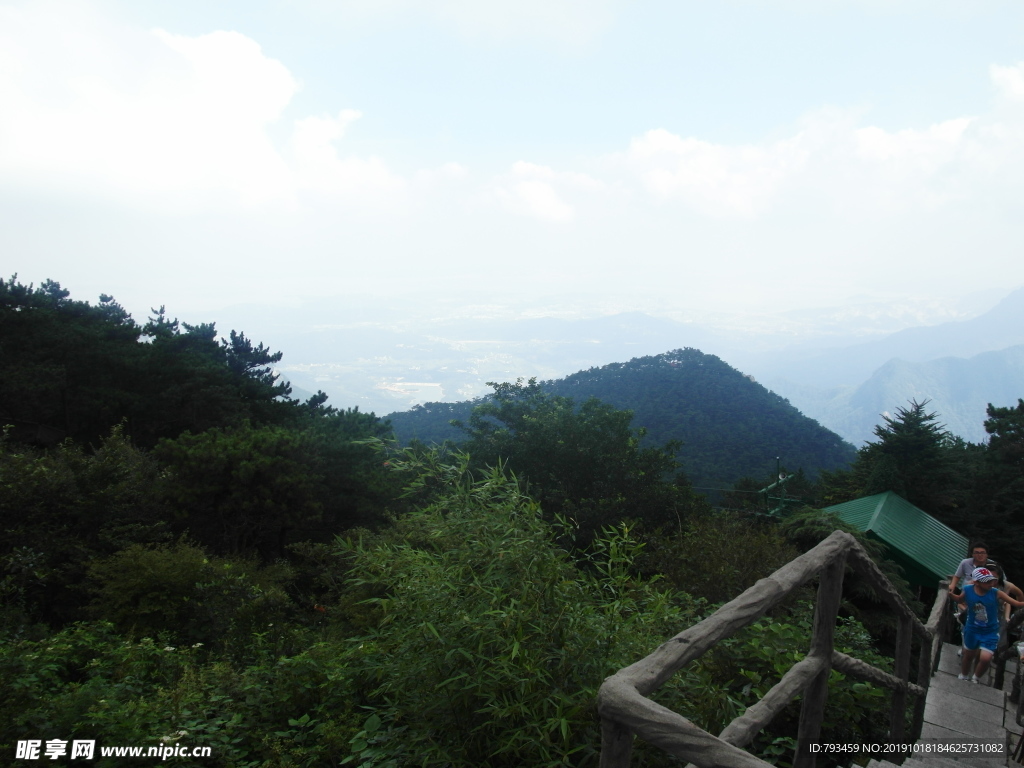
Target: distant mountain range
x=958 y=389
x=387 y=357
x=999 y=328
x=960 y=367
x=730 y=426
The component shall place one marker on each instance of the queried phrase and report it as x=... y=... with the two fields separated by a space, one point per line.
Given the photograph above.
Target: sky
x=730 y=156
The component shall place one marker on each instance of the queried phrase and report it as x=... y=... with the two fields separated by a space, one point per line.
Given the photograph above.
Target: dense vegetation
x=723 y=425
x=975 y=489
x=187 y=555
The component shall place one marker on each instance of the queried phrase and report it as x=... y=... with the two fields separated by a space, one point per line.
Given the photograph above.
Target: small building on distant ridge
x=924 y=548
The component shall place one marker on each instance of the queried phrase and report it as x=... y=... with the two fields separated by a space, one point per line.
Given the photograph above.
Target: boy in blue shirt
x=981 y=630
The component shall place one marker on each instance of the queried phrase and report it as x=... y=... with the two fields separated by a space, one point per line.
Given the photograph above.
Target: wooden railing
x=1004 y=651
x=626 y=710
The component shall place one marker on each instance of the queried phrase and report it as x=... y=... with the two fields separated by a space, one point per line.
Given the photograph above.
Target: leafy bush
x=86 y=682
x=717 y=556
x=492 y=644
x=180 y=592
x=464 y=636
x=63 y=508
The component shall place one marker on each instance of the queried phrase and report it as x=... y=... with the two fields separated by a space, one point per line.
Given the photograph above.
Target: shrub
x=179 y=591
x=492 y=644
x=717 y=556
x=86 y=682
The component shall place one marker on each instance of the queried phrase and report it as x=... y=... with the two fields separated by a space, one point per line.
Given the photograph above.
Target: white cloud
x=446 y=172
x=539 y=191
x=320 y=169
x=715 y=179
x=1009 y=81
x=162 y=120
x=170 y=121
x=129 y=112
x=830 y=160
x=923 y=151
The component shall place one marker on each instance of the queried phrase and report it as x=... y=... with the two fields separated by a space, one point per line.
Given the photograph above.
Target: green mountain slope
x=730 y=425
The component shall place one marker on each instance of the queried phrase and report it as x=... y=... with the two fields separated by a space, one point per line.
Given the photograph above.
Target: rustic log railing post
x=1004 y=650
x=626 y=712
x=901 y=669
x=931 y=649
x=1001 y=655
x=939 y=624
x=616 y=744
x=812 y=709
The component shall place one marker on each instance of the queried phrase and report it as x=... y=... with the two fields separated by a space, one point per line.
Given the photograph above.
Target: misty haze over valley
x=843 y=366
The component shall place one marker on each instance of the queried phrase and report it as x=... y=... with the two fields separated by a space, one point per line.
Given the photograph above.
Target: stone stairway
x=957 y=710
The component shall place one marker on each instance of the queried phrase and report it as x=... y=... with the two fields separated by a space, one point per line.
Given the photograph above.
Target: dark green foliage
x=717 y=555
x=729 y=425
x=250 y=489
x=1006 y=428
x=485 y=645
x=66 y=371
x=809 y=527
x=464 y=634
x=913 y=456
x=181 y=593
x=997 y=496
x=88 y=682
x=585 y=461
x=194 y=382
x=432 y=423
x=243 y=489
x=492 y=643
x=62 y=508
x=75 y=370
x=359 y=487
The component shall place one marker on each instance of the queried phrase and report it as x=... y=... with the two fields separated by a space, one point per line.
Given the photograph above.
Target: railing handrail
x=625 y=709
x=1004 y=650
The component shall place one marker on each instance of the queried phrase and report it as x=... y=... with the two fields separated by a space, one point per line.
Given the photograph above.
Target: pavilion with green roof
x=924 y=548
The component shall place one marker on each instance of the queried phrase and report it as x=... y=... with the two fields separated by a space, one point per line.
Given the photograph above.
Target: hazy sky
x=733 y=154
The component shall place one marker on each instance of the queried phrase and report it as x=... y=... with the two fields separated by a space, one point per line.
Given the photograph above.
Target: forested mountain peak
x=730 y=426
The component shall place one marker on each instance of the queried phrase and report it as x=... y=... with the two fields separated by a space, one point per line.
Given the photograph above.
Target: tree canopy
x=583 y=460
x=73 y=369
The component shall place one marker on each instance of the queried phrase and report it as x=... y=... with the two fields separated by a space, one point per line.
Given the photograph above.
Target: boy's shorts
x=985 y=638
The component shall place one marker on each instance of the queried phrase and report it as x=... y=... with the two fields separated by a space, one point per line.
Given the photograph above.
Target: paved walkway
x=959 y=710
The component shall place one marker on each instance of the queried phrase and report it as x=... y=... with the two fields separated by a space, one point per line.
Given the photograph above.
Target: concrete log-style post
x=744 y=728
x=863 y=671
x=1001 y=656
x=927 y=659
x=901 y=669
x=830 y=593
x=1004 y=651
x=616 y=744
x=627 y=712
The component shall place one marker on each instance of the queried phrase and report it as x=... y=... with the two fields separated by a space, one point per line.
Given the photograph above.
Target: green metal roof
x=925 y=548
